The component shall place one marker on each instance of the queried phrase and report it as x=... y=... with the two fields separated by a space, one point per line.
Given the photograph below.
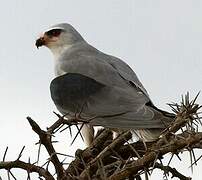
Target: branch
x=116 y=144
x=26 y=166
x=173 y=171
x=45 y=139
x=103 y=140
x=149 y=158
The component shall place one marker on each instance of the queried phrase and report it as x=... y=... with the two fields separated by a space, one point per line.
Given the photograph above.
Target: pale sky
x=160 y=40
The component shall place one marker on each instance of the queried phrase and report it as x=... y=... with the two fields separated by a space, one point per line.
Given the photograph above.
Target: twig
x=92 y=166
x=45 y=139
x=145 y=161
x=173 y=171
x=26 y=166
x=91 y=152
x=4 y=156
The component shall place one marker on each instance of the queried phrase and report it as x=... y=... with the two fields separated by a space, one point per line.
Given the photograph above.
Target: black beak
x=40 y=42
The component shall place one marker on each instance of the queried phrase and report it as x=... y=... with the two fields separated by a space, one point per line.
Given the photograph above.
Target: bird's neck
x=59 y=50
x=58 y=54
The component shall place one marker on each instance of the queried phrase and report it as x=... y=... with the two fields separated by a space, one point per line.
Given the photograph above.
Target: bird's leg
x=142 y=139
x=87 y=132
x=145 y=145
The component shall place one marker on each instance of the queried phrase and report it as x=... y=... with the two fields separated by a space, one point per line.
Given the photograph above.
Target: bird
x=101 y=86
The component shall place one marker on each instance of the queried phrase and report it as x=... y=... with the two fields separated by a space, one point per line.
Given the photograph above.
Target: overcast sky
x=160 y=40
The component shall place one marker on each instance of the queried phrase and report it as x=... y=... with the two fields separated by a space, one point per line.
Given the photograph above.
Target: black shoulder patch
x=73 y=87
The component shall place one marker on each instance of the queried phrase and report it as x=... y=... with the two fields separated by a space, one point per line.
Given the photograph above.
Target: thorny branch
x=115 y=159
x=45 y=139
x=173 y=171
x=8 y=165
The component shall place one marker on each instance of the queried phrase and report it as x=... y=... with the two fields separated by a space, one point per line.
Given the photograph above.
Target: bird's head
x=58 y=37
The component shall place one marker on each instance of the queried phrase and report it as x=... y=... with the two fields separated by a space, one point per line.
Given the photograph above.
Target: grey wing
x=114 y=106
x=118 y=109
x=126 y=72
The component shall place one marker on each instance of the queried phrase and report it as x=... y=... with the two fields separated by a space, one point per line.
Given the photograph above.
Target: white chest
x=58 y=70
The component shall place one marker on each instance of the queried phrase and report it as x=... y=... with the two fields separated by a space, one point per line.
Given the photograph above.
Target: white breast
x=57 y=52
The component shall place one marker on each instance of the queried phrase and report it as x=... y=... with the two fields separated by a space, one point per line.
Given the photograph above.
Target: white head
x=59 y=37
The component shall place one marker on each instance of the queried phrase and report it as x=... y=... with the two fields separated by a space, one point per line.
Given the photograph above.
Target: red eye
x=54 y=32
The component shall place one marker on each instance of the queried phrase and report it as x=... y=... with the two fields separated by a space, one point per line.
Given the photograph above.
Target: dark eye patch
x=54 y=32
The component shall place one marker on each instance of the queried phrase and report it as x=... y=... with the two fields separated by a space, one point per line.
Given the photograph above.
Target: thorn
x=38 y=154
x=178 y=157
x=190 y=155
x=156 y=158
x=19 y=156
x=58 y=115
x=196 y=161
x=4 y=156
x=193 y=102
x=70 y=131
x=170 y=159
x=12 y=175
x=64 y=129
x=78 y=133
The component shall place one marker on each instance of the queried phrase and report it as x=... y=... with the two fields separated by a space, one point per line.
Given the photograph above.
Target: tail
x=149 y=135
x=165 y=113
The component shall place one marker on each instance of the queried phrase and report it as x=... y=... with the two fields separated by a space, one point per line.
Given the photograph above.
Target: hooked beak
x=40 y=42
